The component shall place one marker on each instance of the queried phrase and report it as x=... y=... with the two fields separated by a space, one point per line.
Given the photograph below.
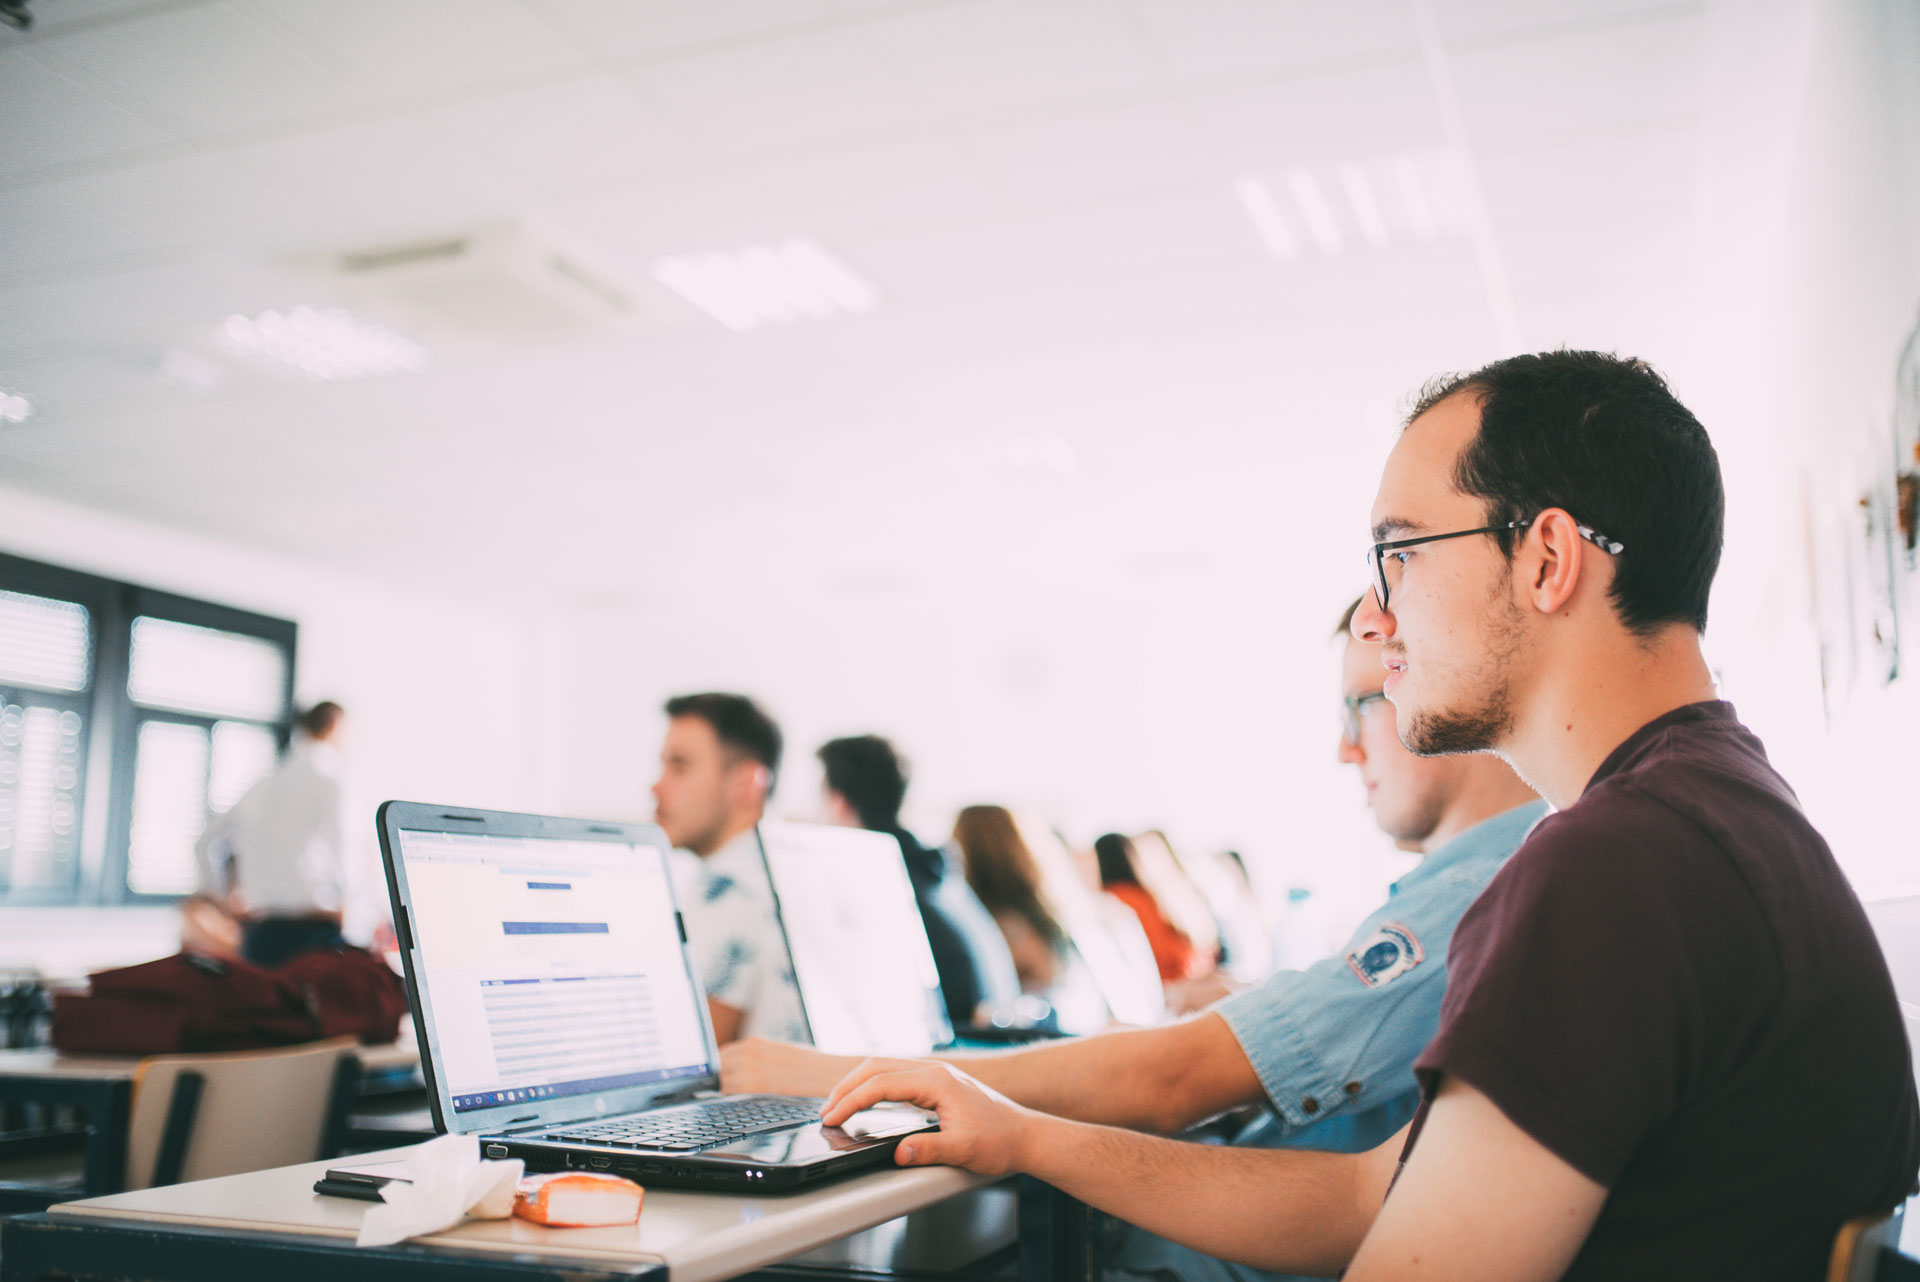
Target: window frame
x=112 y=719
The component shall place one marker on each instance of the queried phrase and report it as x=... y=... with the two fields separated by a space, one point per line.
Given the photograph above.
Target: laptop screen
x=860 y=954
x=551 y=967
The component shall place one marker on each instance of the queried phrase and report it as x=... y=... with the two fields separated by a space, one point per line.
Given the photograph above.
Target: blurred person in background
x=277 y=859
x=1176 y=950
x=865 y=786
x=1003 y=872
x=1329 y=1050
x=718 y=765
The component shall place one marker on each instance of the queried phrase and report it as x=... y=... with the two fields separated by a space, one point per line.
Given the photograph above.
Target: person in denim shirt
x=1330 y=1049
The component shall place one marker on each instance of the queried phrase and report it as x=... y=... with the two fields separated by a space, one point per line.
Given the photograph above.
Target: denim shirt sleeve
x=1343 y=1034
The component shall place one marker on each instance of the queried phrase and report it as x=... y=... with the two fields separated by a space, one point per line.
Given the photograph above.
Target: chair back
x=1861 y=1245
x=197 y=1117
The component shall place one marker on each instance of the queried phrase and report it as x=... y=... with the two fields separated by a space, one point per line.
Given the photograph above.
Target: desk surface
x=46 y=1062
x=698 y=1236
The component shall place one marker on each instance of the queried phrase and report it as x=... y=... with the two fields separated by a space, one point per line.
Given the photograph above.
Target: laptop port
x=496 y=1150
x=600 y=1163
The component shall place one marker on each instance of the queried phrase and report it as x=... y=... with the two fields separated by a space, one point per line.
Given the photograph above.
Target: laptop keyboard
x=697 y=1126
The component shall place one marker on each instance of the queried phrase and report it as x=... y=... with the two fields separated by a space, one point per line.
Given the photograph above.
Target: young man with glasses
x=1329 y=1049
x=1670 y=1047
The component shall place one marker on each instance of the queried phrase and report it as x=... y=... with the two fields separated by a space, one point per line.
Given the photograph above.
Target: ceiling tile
x=1323 y=119
x=202 y=203
x=1586 y=180
x=1204 y=39
x=46 y=234
x=1607 y=80
x=625 y=28
x=428 y=46
x=585 y=133
x=1469 y=20
x=1095 y=154
x=53 y=122
x=859 y=191
x=208 y=67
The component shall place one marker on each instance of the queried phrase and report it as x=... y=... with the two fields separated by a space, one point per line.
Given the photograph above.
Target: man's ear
x=1550 y=560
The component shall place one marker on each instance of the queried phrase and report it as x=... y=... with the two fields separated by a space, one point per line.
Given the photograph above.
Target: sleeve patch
x=1388 y=953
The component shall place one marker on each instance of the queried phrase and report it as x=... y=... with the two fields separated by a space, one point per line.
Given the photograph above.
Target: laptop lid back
x=866 y=974
x=546 y=963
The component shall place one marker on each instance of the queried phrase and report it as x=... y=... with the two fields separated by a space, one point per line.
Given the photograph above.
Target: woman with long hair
x=1004 y=873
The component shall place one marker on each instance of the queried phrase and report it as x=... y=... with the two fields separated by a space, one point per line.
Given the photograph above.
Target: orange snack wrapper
x=577 y=1200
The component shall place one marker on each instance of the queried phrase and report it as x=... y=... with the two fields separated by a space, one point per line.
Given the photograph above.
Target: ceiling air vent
x=495 y=282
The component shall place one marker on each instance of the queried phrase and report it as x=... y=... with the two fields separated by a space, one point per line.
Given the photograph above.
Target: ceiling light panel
x=762 y=285
x=326 y=344
x=1359 y=206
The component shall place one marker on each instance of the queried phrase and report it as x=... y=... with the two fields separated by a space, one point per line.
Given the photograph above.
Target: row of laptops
x=561 y=1019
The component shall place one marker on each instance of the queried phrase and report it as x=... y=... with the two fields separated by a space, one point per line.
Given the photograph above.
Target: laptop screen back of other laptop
x=866 y=973
x=548 y=969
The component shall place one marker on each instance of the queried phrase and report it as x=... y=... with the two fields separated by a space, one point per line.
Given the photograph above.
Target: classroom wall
x=1810 y=284
x=441 y=694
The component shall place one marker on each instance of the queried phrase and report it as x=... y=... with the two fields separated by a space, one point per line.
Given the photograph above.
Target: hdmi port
x=600 y=1163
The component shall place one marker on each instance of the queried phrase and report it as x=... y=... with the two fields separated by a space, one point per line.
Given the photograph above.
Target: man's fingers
x=911 y=1086
x=929 y=1148
x=859 y=1076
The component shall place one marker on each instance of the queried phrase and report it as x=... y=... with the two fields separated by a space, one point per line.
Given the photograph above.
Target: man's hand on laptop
x=757 y=1066
x=980 y=1129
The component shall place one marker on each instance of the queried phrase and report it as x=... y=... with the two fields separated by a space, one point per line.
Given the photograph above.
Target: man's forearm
x=1291 y=1210
x=1160 y=1079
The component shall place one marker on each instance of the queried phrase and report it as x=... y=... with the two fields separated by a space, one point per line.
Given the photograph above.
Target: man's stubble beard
x=1481 y=724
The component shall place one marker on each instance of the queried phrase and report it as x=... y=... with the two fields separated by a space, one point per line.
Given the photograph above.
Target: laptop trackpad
x=804 y=1142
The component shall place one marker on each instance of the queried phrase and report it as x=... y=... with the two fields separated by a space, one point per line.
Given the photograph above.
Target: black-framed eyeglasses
x=1352 y=708
x=1380 y=555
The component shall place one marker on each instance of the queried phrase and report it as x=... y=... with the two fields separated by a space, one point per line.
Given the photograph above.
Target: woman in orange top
x=1175 y=951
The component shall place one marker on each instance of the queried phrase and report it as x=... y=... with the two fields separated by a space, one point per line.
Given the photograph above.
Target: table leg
x=107 y=1116
x=1056 y=1235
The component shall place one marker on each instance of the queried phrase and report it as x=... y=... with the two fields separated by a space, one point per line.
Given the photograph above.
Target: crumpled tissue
x=447 y=1183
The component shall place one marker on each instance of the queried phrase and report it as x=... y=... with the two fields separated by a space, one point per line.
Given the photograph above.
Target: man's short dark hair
x=1604 y=438
x=738 y=723
x=319 y=721
x=870 y=775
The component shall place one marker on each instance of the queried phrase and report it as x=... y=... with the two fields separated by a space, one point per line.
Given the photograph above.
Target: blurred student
x=1004 y=873
x=1121 y=875
x=718 y=766
x=1329 y=1049
x=865 y=786
x=277 y=858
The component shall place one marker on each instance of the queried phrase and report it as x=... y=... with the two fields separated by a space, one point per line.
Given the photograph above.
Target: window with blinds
x=169 y=708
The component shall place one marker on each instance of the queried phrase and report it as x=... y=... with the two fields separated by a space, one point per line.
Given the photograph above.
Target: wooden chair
x=1861 y=1246
x=196 y=1117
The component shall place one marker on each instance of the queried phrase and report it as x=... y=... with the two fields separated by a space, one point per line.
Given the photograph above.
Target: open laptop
x=559 y=1017
x=866 y=974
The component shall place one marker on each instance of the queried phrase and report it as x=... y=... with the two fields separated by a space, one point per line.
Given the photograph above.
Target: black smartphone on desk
x=361 y=1182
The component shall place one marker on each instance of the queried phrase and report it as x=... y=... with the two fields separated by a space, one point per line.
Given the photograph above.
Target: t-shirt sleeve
x=721 y=929
x=1585 y=978
x=1343 y=1034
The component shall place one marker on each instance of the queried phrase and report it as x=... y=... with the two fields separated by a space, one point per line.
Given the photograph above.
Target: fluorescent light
x=767 y=285
x=1366 y=210
x=1315 y=211
x=326 y=344
x=1258 y=202
x=14 y=408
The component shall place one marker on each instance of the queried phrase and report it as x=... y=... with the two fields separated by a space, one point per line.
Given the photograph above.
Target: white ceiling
x=1042 y=191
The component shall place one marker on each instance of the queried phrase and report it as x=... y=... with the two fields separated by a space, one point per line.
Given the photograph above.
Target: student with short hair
x=718 y=765
x=865 y=786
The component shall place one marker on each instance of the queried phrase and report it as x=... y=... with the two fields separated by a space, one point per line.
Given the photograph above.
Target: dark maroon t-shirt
x=1672 y=987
